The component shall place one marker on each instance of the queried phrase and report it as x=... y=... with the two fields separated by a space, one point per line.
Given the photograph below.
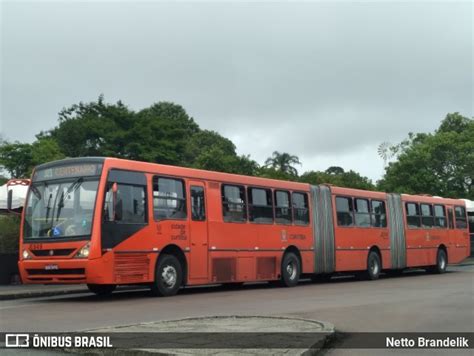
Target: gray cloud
x=325 y=81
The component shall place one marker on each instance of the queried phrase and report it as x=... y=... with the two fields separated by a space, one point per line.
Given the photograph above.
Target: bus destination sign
x=68 y=171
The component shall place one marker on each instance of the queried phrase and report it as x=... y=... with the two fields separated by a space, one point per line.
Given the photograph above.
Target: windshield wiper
x=72 y=188
x=36 y=192
x=48 y=207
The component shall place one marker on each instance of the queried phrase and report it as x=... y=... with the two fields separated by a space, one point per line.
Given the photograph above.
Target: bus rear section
x=369 y=232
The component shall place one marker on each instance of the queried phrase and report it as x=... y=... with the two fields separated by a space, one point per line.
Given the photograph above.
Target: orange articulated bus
x=108 y=222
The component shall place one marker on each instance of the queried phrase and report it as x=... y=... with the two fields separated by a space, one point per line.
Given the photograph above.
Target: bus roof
x=193 y=173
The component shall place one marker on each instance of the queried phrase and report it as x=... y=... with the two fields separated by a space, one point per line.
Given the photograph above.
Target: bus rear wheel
x=290 y=270
x=168 y=276
x=441 y=263
x=374 y=266
x=101 y=289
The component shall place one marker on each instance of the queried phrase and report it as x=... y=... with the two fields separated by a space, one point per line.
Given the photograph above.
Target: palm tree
x=283 y=162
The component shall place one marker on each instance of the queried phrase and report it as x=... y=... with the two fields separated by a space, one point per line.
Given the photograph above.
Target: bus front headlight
x=83 y=252
x=26 y=255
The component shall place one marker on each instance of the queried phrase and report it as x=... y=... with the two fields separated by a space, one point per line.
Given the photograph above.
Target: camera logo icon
x=17 y=340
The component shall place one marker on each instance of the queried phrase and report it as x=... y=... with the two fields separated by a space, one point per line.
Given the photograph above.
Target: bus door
x=198 y=260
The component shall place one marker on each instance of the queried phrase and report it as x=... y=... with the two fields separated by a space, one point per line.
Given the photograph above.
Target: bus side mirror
x=10 y=204
x=9 y=200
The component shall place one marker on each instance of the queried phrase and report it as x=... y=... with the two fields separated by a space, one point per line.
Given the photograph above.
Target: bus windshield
x=60 y=209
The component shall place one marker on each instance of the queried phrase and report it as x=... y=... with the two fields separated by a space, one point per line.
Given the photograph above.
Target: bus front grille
x=52 y=252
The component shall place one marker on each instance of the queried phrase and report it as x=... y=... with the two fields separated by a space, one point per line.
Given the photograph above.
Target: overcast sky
x=326 y=81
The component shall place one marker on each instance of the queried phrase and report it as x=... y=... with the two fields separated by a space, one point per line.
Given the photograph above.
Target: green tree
x=272 y=173
x=19 y=159
x=439 y=163
x=283 y=163
x=349 y=179
x=204 y=141
x=16 y=158
x=92 y=129
x=9 y=232
x=335 y=170
x=211 y=151
x=45 y=150
x=160 y=134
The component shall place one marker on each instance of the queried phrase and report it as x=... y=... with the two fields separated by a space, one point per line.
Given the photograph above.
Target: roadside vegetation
x=438 y=163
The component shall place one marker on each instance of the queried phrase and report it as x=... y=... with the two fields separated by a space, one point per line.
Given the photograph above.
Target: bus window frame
x=308 y=223
x=290 y=208
x=432 y=216
x=438 y=217
x=268 y=191
x=183 y=181
x=245 y=220
x=466 y=220
x=418 y=216
x=373 y=215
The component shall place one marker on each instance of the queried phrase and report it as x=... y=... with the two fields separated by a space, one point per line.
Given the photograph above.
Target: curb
x=56 y=292
x=39 y=294
x=327 y=335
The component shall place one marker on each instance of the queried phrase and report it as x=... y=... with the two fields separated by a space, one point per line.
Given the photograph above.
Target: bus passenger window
x=461 y=221
x=260 y=205
x=282 y=207
x=234 y=207
x=131 y=200
x=300 y=208
x=413 y=215
x=344 y=211
x=362 y=214
x=169 y=199
x=450 y=218
x=198 y=210
x=379 y=216
x=440 y=216
x=427 y=219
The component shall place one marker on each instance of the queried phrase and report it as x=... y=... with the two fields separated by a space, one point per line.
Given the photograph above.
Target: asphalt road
x=416 y=301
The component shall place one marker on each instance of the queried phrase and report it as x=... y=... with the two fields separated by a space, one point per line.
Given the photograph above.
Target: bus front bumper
x=60 y=271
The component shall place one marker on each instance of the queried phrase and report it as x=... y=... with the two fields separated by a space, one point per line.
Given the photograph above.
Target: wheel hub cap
x=442 y=262
x=374 y=267
x=169 y=276
x=291 y=270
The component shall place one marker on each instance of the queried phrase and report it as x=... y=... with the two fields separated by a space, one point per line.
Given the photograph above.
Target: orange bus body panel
x=218 y=252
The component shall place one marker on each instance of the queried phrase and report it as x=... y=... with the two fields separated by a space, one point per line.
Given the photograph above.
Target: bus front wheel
x=168 y=276
x=101 y=289
x=290 y=270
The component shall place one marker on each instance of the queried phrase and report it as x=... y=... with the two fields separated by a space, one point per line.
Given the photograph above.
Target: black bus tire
x=290 y=270
x=441 y=262
x=168 y=276
x=374 y=267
